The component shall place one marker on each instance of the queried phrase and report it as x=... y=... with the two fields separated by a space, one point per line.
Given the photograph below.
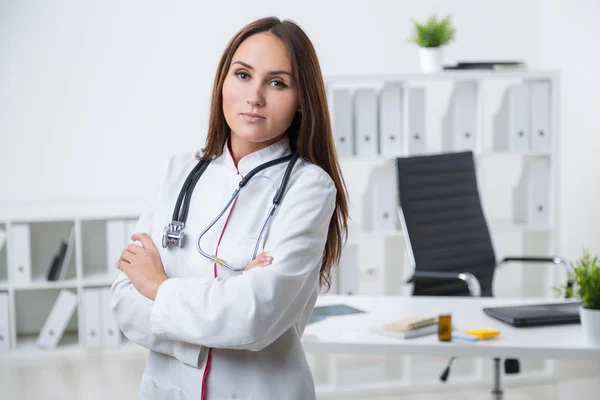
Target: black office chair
x=446 y=233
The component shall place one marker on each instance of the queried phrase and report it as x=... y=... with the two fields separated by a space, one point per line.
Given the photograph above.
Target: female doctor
x=217 y=332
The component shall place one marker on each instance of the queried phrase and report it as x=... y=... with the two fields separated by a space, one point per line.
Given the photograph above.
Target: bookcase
x=509 y=120
x=393 y=115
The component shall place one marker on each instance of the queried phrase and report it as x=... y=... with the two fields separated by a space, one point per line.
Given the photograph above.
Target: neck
x=240 y=148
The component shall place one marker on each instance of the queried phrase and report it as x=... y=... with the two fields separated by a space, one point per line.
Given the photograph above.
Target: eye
x=242 y=75
x=278 y=84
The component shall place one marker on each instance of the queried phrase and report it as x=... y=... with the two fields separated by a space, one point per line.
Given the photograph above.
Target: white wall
x=568 y=30
x=94 y=95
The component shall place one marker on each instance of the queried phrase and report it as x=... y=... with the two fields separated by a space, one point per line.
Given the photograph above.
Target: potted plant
x=431 y=36
x=585 y=278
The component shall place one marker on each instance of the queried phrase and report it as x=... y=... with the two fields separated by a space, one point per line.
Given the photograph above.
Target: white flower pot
x=590 y=323
x=431 y=59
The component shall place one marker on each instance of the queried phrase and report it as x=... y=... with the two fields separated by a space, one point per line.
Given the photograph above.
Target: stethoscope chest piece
x=173 y=234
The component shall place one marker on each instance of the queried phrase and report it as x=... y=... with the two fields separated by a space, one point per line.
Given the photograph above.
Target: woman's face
x=260 y=95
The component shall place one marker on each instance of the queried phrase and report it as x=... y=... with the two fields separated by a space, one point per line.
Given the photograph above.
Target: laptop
x=536 y=314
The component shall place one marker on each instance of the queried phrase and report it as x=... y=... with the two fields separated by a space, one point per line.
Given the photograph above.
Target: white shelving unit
x=382 y=265
x=30 y=302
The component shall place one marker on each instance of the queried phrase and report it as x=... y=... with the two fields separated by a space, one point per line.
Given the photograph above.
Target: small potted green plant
x=585 y=278
x=431 y=37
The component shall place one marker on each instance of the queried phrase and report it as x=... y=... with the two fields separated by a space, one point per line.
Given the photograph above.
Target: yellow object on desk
x=483 y=333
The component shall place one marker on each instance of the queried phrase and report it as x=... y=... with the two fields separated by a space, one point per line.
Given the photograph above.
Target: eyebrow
x=270 y=73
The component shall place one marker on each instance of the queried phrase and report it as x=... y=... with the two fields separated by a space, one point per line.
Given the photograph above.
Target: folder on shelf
x=57 y=262
x=92 y=335
x=416 y=120
x=4 y=323
x=57 y=320
x=348 y=269
x=2 y=238
x=366 y=122
x=540 y=132
x=385 y=204
x=110 y=331
x=340 y=107
x=20 y=246
x=68 y=253
x=531 y=197
x=391 y=120
x=460 y=123
x=511 y=123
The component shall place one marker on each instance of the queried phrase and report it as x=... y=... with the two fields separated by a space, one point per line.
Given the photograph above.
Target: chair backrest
x=444 y=221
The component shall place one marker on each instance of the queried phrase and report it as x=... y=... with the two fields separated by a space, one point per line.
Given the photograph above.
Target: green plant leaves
x=433 y=33
x=585 y=274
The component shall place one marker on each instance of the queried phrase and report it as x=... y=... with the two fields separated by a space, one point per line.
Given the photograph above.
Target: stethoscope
x=173 y=232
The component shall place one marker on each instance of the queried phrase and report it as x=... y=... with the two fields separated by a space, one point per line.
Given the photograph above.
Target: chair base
x=497 y=393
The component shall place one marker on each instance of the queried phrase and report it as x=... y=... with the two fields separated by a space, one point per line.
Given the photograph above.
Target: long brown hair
x=310 y=131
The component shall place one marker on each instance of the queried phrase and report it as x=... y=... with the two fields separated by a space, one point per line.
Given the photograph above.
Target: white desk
x=350 y=333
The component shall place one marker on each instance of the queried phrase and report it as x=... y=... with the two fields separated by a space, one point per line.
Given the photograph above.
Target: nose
x=255 y=97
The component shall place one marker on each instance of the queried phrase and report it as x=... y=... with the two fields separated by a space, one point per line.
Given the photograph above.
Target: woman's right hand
x=261 y=260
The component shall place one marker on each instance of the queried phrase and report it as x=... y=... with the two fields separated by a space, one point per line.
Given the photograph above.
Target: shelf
x=484 y=154
x=507 y=226
x=69 y=343
x=451 y=75
x=42 y=284
x=99 y=280
x=492 y=153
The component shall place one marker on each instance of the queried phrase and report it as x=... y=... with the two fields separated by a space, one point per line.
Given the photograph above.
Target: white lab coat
x=253 y=321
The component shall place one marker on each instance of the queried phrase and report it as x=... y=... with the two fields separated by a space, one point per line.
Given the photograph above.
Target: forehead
x=264 y=51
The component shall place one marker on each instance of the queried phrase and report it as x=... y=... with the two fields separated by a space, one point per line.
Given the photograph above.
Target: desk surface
x=350 y=333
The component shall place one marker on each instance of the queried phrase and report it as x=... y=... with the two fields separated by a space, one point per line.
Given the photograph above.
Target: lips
x=252 y=117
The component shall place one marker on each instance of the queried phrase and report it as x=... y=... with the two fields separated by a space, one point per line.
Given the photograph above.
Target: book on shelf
x=487 y=65
x=67 y=258
x=60 y=263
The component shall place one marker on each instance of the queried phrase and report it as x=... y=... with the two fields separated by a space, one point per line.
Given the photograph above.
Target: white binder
x=4 y=326
x=2 y=239
x=460 y=123
x=531 y=198
x=57 y=320
x=20 y=244
x=416 y=120
x=92 y=334
x=115 y=244
x=385 y=204
x=348 y=269
x=111 y=334
x=511 y=123
x=541 y=131
x=391 y=120
x=365 y=122
x=340 y=108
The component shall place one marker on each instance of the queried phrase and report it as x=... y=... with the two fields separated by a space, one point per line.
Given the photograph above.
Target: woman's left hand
x=143 y=265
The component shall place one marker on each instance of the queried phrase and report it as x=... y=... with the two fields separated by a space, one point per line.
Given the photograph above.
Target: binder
x=416 y=120
x=20 y=245
x=111 y=334
x=391 y=119
x=4 y=323
x=115 y=244
x=385 y=203
x=348 y=269
x=460 y=123
x=69 y=252
x=531 y=198
x=541 y=132
x=366 y=122
x=92 y=334
x=511 y=123
x=340 y=106
x=57 y=320
x=2 y=239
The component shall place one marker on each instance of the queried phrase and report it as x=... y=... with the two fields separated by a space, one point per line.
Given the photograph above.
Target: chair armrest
x=553 y=260
x=470 y=279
